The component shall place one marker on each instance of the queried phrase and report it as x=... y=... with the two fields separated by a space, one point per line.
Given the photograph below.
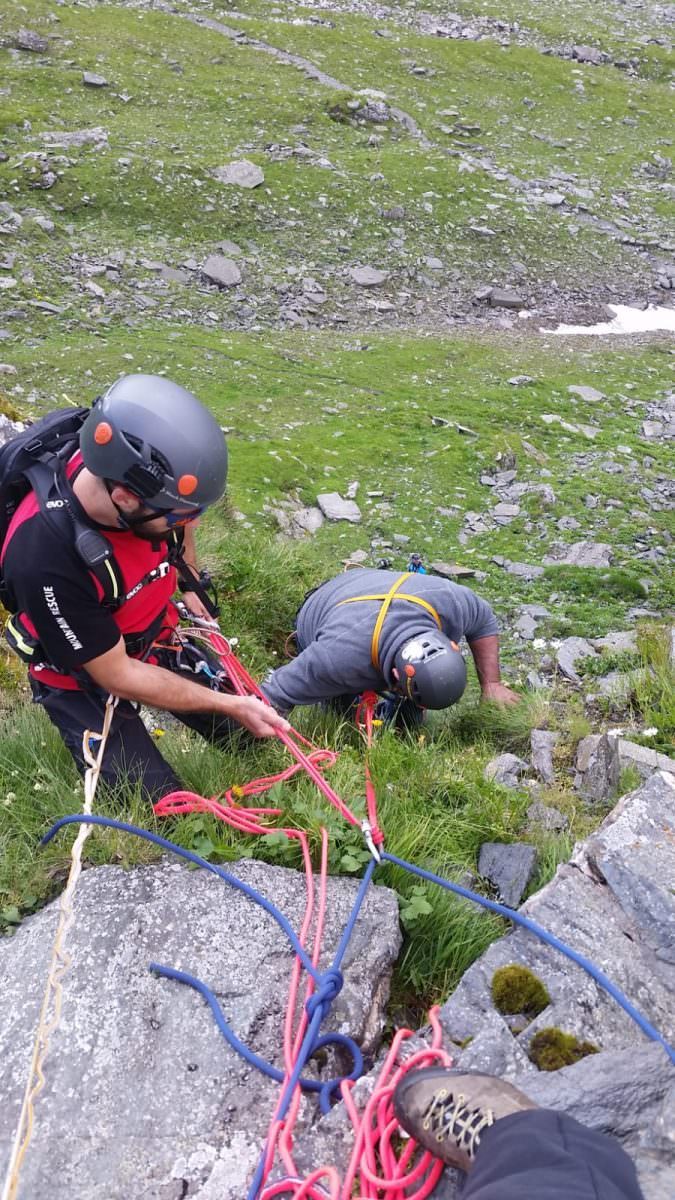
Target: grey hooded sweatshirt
x=335 y=640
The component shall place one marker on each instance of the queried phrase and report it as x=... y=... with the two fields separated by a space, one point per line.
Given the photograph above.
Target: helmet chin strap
x=131 y=524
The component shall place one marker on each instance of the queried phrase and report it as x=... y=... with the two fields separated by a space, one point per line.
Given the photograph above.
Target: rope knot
x=330 y=986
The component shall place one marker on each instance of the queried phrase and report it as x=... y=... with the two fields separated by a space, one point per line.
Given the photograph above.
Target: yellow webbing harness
x=387 y=598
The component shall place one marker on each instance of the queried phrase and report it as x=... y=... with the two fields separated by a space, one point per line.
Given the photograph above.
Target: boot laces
x=450 y=1118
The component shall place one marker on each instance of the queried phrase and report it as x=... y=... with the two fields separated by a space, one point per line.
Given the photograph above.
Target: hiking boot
x=447 y=1112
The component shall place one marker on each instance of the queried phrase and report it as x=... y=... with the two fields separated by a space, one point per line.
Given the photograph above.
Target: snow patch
x=626 y=320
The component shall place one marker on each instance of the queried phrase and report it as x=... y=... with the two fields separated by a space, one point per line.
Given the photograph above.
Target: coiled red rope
x=377 y=1165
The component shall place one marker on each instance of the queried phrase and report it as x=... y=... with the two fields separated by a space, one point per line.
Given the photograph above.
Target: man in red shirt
x=151 y=458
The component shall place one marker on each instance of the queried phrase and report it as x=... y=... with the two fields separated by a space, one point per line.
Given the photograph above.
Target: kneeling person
x=398 y=635
x=149 y=460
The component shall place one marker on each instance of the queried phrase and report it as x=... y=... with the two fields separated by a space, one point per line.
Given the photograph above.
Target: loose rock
x=243 y=174
x=222 y=271
x=550 y=819
x=505 y=298
x=567 y=654
x=597 y=764
x=90 y=79
x=451 y=570
x=27 y=39
x=506 y=769
x=543 y=743
x=335 y=508
x=584 y=554
x=368 y=276
x=645 y=760
x=509 y=867
x=589 y=394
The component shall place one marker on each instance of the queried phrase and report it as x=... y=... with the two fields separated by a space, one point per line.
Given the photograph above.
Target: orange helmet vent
x=187 y=485
x=103 y=433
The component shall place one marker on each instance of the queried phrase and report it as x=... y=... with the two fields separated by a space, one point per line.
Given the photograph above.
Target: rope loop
x=331 y=984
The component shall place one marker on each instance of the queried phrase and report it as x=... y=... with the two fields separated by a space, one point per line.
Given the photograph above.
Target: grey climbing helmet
x=431 y=670
x=155 y=438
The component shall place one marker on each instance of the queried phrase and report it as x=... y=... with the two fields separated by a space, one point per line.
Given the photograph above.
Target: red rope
x=365 y=720
x=245 y=685
x=377 y=1167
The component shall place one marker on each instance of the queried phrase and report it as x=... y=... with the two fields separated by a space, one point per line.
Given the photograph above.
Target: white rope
x=60 y=960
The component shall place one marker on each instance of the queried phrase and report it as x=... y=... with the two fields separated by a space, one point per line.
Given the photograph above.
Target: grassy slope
x=197 y=102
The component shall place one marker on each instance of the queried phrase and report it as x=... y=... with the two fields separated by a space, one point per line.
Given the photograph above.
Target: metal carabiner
x=367 y=831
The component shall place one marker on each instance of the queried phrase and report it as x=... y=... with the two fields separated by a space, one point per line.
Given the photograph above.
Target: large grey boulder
x=143 y=1098
x=613 y=902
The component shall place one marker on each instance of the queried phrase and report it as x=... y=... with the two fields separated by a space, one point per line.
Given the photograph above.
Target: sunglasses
x=175 y=520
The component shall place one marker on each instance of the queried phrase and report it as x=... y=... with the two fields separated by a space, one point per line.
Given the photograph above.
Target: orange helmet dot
x=103 y=433
x=187 y=485
x=409 y=669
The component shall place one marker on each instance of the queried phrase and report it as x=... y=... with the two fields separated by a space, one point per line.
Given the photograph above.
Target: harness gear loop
x=387 y=598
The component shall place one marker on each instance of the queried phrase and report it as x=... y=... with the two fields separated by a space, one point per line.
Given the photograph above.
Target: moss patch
x=551 y=1049
x=516 y=989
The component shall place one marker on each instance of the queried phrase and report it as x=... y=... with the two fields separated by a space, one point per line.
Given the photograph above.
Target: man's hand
x=499 y=693
x=196 y=608
x=260 y=719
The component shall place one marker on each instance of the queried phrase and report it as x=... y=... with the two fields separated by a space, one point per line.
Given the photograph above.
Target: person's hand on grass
x=499 y=693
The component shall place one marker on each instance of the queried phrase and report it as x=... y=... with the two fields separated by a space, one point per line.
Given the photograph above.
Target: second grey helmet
x=157 y=439
x=431 y=670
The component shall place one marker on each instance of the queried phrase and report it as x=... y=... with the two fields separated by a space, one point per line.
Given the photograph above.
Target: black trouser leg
x=131 y=755
x=545 y=1155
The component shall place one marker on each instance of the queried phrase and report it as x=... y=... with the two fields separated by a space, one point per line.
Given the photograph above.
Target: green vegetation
x=551 y=1049
x=352 y=397
x=516 y=989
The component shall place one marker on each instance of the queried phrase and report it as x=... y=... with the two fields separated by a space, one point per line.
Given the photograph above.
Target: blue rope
x=330 y=983
x=317 y=1013
x=165 y=844
x=328 y=1039
x=551 y=940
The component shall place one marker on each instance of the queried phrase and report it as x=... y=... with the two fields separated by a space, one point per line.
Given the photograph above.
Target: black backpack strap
x=201 y=584
x=91 y=545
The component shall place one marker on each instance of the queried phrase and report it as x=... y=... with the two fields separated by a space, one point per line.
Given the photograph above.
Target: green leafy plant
x=414 y=905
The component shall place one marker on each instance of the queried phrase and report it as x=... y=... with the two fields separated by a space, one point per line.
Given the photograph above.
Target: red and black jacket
x=68 y=614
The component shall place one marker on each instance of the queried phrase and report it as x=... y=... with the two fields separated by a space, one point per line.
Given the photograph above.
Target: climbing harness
x=387 y=599
x=377 y=1168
